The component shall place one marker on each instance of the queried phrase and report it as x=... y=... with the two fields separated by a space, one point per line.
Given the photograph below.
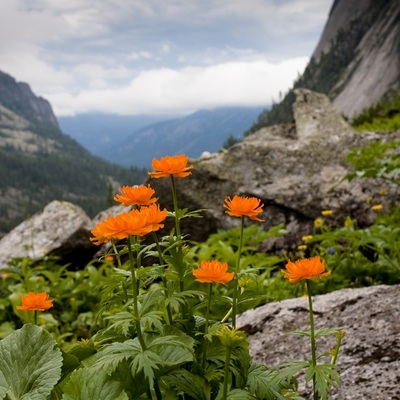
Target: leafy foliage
x=31 y=364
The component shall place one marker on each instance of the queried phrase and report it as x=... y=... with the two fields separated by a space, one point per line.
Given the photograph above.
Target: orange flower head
x=154 y=217
x=307 y=268
x=113 y=227
x=35 y=302
x=171 y=166
x=213 y=272
x=244 y=206
x=136 y=195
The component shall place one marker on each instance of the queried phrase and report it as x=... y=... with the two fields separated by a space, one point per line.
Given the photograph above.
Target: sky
x=158 y=57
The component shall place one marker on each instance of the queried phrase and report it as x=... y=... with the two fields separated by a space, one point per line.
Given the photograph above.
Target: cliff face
x=19 y=98
x=374 y=69
x=356 y=62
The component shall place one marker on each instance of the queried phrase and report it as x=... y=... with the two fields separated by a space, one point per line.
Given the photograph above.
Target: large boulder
x=295 y=169
x=61 y=229
x=369 y=361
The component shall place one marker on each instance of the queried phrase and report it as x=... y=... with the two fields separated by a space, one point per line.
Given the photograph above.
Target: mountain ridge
x=203 y=130
x=39 y=163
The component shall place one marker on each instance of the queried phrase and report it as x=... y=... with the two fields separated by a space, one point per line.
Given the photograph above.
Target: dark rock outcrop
x=369 y=360
x=295 y=169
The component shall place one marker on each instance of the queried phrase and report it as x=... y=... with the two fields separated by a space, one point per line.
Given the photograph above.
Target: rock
x=295 y=169
x=62 y=229
x=369 y=360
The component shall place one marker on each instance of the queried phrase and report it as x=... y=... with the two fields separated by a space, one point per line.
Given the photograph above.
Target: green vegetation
x=153 y=331
x=383 y=116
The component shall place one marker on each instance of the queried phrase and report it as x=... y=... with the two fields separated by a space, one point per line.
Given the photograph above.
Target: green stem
x=180 y=267
x=207 y=323
x=35 y=317
x=164 y=279
x=227 y=372
x=175 y=200
x=312 y=335
x=235 y=281
x=116 y=253
x=135 y=294
x=339 y=336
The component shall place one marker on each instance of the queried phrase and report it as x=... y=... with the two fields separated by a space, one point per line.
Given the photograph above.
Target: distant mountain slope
x=204 y=130
x=97 y=132
x=356 y=62
x=39 y=163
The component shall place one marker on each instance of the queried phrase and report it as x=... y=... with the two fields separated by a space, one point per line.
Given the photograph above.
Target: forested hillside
x=39 y=163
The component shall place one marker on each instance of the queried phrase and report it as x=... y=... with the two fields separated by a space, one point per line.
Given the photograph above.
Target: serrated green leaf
x=192 y=385
x=146 y=361
x=261 y=382
x=30 y=364
x=326 y=376
x=239 y=394
x=92 y=383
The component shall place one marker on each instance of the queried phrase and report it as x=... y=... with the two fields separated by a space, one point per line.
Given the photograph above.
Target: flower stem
x=164 y=279
x=227 y=372
x=312 y=335
x=235 y=281
x=175 y=200
x=35 y=317
x=135 y=295
x=207 y=323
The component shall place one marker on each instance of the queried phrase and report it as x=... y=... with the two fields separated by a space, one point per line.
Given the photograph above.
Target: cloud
x=161 y=91
x=155 y=56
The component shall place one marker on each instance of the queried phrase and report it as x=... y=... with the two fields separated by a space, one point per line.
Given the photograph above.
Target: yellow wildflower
x=318 y=222
x=326 y=213
x=306 y=238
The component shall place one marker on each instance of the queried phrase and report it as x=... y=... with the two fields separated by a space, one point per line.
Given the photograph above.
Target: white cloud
x=149 y=56
x=187 y=89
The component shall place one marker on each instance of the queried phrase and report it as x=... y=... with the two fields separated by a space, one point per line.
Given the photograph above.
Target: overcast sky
x=158 y=56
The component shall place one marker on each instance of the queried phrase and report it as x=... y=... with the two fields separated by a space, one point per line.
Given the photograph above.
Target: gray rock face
x=295 y=169
x=369 y=360
x=62 y=229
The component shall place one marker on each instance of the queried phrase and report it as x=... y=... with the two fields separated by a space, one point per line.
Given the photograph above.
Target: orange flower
x=307 y=268
x=153 y=217
x=171 y=166
x=244 y=206
x=136 y=195
x=114 y=227
x=135 y=223
x=213 y=272
x=35 y=302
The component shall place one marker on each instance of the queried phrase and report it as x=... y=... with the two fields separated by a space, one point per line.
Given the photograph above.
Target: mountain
x=356 y=62
x=204 y=130
x=39 y=163
x=97 y=132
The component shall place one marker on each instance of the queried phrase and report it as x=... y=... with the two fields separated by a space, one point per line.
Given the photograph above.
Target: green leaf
x=239 y=394
x=262 y=382
x=92 y=383
x=111 y=356
x=30 y=364
x=148 y=362
x=187 y=383
x=326 y=376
